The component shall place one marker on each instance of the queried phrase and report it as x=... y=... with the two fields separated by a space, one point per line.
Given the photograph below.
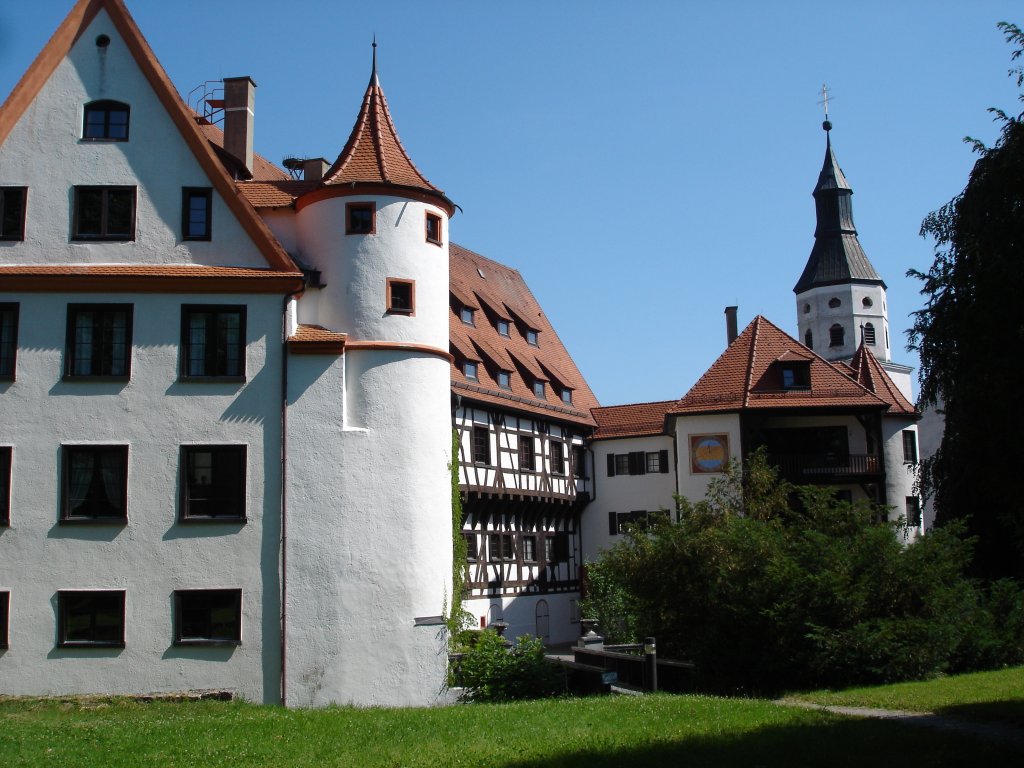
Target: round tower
x=381 y=546
x=840 y=298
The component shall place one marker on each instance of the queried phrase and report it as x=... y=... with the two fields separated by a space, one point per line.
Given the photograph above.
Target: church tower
x=840 y=298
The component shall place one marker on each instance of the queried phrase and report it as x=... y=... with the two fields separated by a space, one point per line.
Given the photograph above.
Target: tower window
x=401 y=297
x=836 y=336
x=106 y=121
x=834 y=303
x=360 y=219
x=869 y=334
x=12 y=213
x=866 y=302
x=433 y=228
x=809 y=340
x=807 y=309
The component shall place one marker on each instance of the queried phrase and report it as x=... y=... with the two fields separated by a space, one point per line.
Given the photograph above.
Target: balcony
x=827 y=467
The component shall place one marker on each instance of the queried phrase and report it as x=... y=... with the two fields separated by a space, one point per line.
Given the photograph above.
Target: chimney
x=731 y=330
x=314 y=168
x=239 y=98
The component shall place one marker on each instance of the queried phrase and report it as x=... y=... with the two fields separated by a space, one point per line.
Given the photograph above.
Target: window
x=653 y=462
x=94 y=483
x=909 y=446
x=866 y=302
x=619 y=464
x=557 y=452
x=526 y=454
x=196 y=213
x=360 y=219
x=93 y=619
x=500 y=546
x=213 y=482
x=5 y=613
x=481 y=445
x=807 y=309
x=12 y=213
x=5 y=485
x=401 y=297
x=834 y=303
x=809 y=339
x=505 y=379
x=538 y=388
x=836 y=336
x=104 y=213
x=637 y=462
x=213 y=341
x=433 y=228
x=466 y=316
x=106 y=120
x=567 y=396
x=556 y=548
x=617 y=521
x=529 y=549
x=869 y=334
x=503 y=327
x=8 y=340
x=471 y=547
x=532 y=337
x=796 y=376
x=99 y=340
x=913 y=512
x=207 y=617
x=579 y=461
x=470 y=370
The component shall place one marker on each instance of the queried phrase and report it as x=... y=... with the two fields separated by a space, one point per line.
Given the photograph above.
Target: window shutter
x=663 y=461
x=611 y=465
x=637 y=461
x=613 y=524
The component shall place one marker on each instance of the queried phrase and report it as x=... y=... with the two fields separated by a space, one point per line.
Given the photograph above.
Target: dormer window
x=106 y=121
x=466 y=316
x=532 y=337
x=796 y=375
x=567 y=396
x=538 y=388
x=836 y=336
x=433 y=228
x=505 y=379
x=360 y=219
x=470 y=370
x=869 y=334
x=503 y=327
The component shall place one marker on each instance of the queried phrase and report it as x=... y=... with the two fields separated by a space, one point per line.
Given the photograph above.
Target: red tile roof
x=866 y=370
x=315 y=339
x=262 y=169
x=472 y=276
x=635 y=420
x=745 y=378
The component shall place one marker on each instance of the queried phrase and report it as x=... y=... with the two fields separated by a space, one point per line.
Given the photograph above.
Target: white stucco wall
x=152 y=554
x=814 y=313
x=521 y=614
x=900 y=475
x=694 y=486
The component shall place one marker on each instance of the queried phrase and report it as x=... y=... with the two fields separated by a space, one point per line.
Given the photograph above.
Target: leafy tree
x=970 y=336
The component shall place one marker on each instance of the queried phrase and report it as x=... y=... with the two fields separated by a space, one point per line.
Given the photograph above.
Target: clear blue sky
x=643 y=164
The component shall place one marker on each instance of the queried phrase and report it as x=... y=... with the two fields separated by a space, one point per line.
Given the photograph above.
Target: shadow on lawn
x=1007 y=712
x=846 y=742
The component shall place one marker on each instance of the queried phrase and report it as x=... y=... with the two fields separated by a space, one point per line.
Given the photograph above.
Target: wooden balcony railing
x=825 y=467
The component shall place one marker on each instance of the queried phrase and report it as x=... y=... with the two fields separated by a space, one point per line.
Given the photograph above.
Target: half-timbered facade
x=521 y=410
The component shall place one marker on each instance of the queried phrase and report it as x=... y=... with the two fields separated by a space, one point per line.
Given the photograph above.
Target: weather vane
x=824 y=102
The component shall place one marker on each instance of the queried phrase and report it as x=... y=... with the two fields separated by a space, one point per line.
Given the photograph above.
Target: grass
x=597 y=732
x=987 y=696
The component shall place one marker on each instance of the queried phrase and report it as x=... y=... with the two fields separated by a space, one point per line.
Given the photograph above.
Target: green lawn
x=989 y=696
x=596 y=733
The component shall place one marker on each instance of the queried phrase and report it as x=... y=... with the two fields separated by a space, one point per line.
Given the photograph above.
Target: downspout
x=284 y=485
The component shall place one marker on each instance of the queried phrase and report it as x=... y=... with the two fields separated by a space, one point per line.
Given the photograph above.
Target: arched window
x=836 y=336
x=543 y=617
x=809 y=339
x=834 y=303
x=106 y=120
x=807 y=309
x=869 y=334
x=867 y=302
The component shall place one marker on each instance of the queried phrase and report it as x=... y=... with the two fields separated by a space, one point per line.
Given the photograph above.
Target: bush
x=492 y=671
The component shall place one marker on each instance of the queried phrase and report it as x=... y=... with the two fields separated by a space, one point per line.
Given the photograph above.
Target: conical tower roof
x=837 y=256
x=373 y=153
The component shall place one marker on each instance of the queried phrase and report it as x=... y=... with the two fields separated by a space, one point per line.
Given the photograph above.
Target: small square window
x=5 y=619
x=532 y=337
x=503 y=327
x=481 y=445
x=106 y=120
x=505 y=379
x=909 y=446
x=557 y=452
x=196 y=213
x=360 y=219
x=90 y=619
x=213 y=482
x=207 y=617
x=470 y=370
x=622 y=464
x=653 y=462
x=104 y=213
x=796 y=376
x=99 y=341
x=12 y=213
x=8 y=340
x=213 y=342
x=527 y=461
x=466 y=316
x=5 y=485
x=433 y=228
x=567 y=396
x=538 y=388
x=500 y=546
x=401 y=297
x=529 y=549
x=94 y=483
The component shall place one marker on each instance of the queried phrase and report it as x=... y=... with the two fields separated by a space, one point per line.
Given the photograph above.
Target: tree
x=970 y=336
